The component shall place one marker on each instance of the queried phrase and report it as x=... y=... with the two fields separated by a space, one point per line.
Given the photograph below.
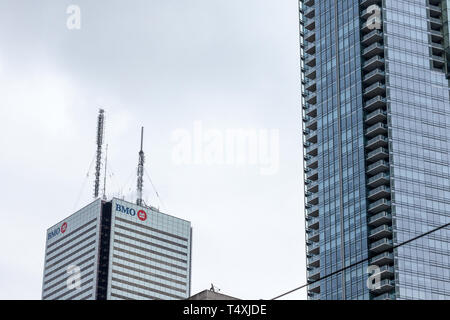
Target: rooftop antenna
x=214 y=288
x=100 y=124
x=140 y=171
x=104 y=178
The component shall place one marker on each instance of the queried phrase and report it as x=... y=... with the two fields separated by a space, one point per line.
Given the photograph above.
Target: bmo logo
x=57 y=231
x=141 y=214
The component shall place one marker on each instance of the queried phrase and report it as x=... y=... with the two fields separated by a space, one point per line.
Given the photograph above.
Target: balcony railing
x=379 y=205
x=378 y=179
x=380 y=218
x=378 y=167
x=382 y=259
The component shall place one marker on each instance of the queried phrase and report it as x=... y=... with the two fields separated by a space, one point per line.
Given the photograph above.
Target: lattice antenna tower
x=98 y=164
x=140 y=171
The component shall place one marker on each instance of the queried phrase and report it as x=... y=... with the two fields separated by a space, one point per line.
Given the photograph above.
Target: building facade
x=118 y=250
x=376 y=125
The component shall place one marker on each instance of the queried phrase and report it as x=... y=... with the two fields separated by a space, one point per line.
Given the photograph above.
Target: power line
x=84 y=183
x=361 y=261
x=154 y=188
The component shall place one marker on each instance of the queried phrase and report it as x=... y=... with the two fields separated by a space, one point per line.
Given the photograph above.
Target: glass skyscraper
x=376 y=135
x=117 y=250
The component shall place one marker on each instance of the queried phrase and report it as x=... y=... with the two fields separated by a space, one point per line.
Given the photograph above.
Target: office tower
x=376 y=124
x=118 y=250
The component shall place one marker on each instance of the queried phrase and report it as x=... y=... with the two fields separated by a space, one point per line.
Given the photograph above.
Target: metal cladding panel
x=150 y=254
x=70 y=267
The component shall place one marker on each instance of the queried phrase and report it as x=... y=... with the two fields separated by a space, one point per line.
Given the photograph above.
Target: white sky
x=164 y=65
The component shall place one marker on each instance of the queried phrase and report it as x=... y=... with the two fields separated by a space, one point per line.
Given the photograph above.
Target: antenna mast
x=140 y=171
x=104 y=178
x=100 y=124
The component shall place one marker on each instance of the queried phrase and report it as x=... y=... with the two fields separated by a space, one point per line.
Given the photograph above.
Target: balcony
x=376 y=129
x=379 y=205
x=311 y=123
x=378 y=180
x=436 y=36
x=437 y=49
x=372 y=37
x=374 y=76
x=374 y=49
x=382 y=231
x=382 y=259
x=314 y=186
x=376 y=89
x=385 y=272
x=307 y=118
x=313 y=296
x=310 y=36
x=312 y=149
x=311 y=60
x=313 y=248
x=312 y=174
x=307 y=106
x=311 y=85
x=311 y=48
x=309 y=3
x=380 y=218
x=313 y=274
x=314 y=261
x=312 y=136
x=377 y=167
x=376 y=116
x=310 y=24
x=311 y=111
x=313 y=223
x=378 y=141
x=385 y=296
x=312 y=198
x=307 y=182
x=311 y=73
x=310 y=12
x=314 y=287
x=435 y=23
x=373 y=63
x=438 y=61
x=312 y=211
x=374 y=103
x=378 y=154
x=311 y=98
x=381 y=245
x=307 y=144
x=435 y=11
x=384 y=286
x=313 y=235
x=312 y=163
x=379 y=192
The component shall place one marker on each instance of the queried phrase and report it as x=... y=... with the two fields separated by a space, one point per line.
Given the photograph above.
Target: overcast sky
x=171 y=66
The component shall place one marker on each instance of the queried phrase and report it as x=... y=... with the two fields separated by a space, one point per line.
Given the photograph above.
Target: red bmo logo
x=142 y=215
x=64 y=227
